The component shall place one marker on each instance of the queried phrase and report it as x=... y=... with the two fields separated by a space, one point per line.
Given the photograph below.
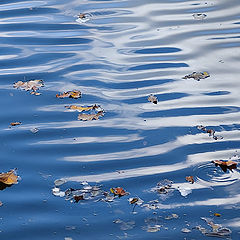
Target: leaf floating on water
x=119 y=191
x=199 y=16
x=78 y=198
x=90 y=117
x=81 y=109
x=15 y=123
x=152 y=229
x=164 y=187
x=84 y=17
x=197 y=75
x=153 y=99
x=135 y=200
x=217 y=214
x=211 y=132
x=185 y=230
x=225 y=164
x=172 y=216
x=70 y=94
x=31 y=85
x=190 y=179
x=9 y=178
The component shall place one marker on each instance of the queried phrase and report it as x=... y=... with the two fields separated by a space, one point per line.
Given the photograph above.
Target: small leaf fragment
x=70 y=94
x=153 y=99
x=9 y=178
x=197 y=75
x=15 y=123
x=190 y=179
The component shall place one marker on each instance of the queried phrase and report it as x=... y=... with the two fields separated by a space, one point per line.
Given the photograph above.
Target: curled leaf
x=90 y=117
x=9 y=178
x=225 y=164
x=190 y=179
x=153 y=99
x=70 y=94
x=197 y=75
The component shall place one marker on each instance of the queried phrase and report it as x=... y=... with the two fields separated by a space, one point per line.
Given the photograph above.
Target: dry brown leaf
x=225 y=164
x=8 y=178
x=31 y=85
x=81 y=109
x=217 y=214
x=78 y=198
x=71 y=94
x=190 y=179
x=15 y=123
x=152 y=98
x=119 y=191
x=90 y=117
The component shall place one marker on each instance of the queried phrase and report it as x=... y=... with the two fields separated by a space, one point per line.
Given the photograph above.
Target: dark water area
x=119 y=54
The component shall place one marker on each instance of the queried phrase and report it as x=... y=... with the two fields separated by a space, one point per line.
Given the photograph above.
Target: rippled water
x=125 y=52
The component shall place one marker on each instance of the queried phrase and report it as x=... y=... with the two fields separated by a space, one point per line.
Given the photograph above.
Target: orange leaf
x=15 y=123
x=119 y=191
x=71 y=94
x=190 y=179
x=8 y=178
x=225 y=164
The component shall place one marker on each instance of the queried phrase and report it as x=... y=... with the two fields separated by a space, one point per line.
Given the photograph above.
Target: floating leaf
x=211 y=132
x=217 y=214
x=9 y=178
x=32 y=85
x=197 y=75
x=70 y=94
x=90 y=117
x=153 y=99
x=172 y=216
x=15 y=123
x=190 y=179
x=199 y=16
x=185 y=230
x=118 y=191
x=78 y=198
x=84 y=17
x=225 y=164
x=81 y=109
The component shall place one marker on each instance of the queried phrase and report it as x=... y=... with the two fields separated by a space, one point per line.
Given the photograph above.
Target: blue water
x=125 y=52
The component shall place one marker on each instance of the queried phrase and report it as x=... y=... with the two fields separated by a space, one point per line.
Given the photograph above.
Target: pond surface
x=118 y=54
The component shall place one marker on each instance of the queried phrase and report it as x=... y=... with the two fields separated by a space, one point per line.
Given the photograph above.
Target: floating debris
x=15 y=123
x=216 y=231
x=197 y=75
x=81 y=109
x=225 y=164
x=84 y=17
x=31 y=85
x=185 y=230
x=119 y=191
x=125 y=225
x=211 y=132
x=90 y=117
x=9 y=178
x=164 y=187
x=199 y=16
x=70 y=94
x=152 y=229
x=217 y=214
x=190 y=179
x=153 y=99
x=135 y=201
x=172 y=216
x=34 y=130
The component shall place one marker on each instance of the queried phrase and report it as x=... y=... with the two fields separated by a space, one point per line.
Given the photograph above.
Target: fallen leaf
x=217 y=214
x=197 y=75
x=70 y=94
x=190 y=179
x=90 y=117
x=15 y=123
x=31 y=85
x=211 y=132
x=199 y=16
x=81 y=109
x=118 y=191
x=78 y=198
x=172 y=216
x=84 y=17
x=153 y=99
x=225 y=164
x=185 y=230
x=9 y=178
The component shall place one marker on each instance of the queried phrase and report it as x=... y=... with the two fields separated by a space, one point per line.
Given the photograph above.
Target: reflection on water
x=120 y=54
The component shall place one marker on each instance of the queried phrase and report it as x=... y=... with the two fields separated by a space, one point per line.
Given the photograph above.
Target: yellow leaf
x=8 y=178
